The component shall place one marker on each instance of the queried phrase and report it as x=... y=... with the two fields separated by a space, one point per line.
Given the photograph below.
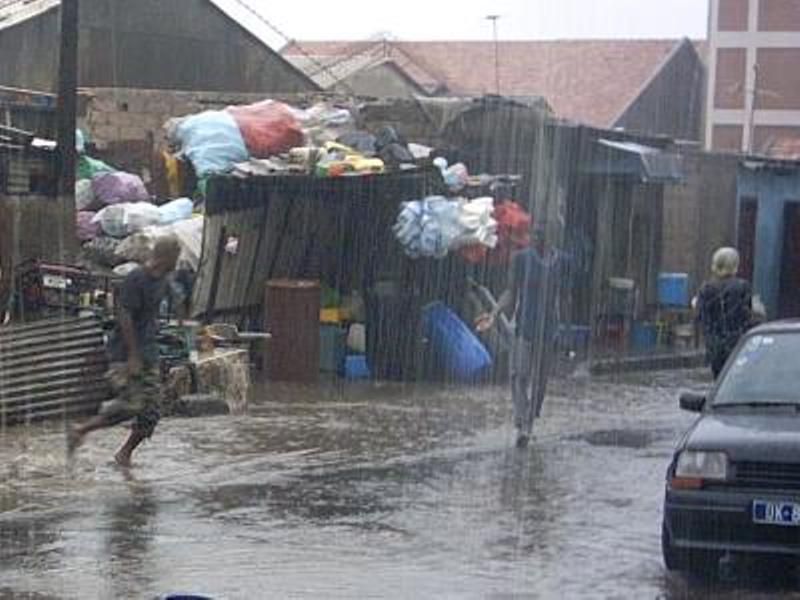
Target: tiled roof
x=590 y=81
x=786 y=147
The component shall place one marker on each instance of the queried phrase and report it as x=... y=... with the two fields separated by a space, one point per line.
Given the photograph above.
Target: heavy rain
x=502 y=309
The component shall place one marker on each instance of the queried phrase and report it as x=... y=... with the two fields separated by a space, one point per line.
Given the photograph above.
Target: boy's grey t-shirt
x=140 y=294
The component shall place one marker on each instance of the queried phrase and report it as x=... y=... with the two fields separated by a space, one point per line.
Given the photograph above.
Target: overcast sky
x=466 y=19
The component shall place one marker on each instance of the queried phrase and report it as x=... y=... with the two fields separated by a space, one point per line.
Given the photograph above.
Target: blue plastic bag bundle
x=428 y=228
x=212 y=141
x=177 y=210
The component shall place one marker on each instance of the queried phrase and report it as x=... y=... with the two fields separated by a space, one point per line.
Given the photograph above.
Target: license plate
x=55 y=282
x=776 y=513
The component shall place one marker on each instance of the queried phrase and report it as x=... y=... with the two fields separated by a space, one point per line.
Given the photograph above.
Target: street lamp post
x=493 y=19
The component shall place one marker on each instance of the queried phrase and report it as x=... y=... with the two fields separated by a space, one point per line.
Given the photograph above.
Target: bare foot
x=74 y=440
x=122 y=460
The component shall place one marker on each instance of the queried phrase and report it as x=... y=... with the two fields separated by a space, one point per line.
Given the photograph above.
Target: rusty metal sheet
x=52 y=369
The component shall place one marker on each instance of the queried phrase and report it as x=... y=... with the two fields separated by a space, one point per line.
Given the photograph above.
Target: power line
x=322 y=67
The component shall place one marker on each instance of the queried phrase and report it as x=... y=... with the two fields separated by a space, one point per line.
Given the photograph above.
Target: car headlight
x=694 y=467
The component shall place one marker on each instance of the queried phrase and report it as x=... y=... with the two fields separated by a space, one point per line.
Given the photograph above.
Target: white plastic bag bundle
x=177 y=210
x=139 y=246
x=436 y=226
x=479 y=227
x=84 y=195
x=122 y=220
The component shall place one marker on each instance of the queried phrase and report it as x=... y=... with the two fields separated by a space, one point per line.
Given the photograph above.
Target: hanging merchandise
x=268 y=128
x=211 y=140
x=513 y=226
x=436 y=225
x=117 y=188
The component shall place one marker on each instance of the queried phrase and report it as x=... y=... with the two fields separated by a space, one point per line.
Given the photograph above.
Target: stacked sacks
x=211 y=140
x=268 y=128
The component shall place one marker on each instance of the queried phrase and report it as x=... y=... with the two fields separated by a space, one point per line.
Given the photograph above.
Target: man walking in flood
x=134 y=353
x=532 y=294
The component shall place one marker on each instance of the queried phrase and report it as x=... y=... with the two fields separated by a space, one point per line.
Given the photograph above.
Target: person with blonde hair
x=724 y=307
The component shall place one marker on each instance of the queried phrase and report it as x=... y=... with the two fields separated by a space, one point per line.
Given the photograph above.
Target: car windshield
x=764 y=372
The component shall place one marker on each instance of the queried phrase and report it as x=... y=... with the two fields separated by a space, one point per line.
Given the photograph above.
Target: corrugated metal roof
x=13 y=12
x=589 y=81
x=51 y=369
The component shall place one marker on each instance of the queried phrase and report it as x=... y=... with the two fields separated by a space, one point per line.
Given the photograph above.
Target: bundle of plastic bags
x=435 y=226
x=122 y=220
x=86 y=227
x=118 y=187
x=268 y=128
x=211 y=140
x=138 y=247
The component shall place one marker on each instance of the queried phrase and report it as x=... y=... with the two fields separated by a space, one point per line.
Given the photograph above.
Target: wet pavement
x=369 y=491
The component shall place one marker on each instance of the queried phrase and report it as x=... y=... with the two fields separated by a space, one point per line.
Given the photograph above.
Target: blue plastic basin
x=462 y=354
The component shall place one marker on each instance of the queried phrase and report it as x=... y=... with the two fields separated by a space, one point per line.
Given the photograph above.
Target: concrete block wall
x=125 y=115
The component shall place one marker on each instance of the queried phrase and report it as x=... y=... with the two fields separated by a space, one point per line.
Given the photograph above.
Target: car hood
x=749 y=437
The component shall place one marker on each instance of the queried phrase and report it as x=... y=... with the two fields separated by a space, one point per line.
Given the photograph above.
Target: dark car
x=733 y=486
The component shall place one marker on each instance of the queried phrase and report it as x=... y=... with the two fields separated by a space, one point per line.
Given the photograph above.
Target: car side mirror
x=692 y=402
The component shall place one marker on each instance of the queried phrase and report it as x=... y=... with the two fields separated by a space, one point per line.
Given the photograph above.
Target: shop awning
x=646 y=163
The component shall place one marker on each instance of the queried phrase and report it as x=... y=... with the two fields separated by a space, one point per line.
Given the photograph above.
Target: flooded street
x=360 y=492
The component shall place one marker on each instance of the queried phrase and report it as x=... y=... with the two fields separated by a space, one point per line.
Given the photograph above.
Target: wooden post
x=67 y=96
x=66 y=116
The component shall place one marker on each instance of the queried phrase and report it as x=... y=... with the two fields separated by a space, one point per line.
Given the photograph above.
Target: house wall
x=754 y=86
x=380 y=81
x=699 y=214
x=150 y=44
x=772 y=189
x=672 y=102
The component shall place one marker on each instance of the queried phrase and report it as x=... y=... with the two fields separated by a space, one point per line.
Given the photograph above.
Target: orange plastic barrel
x=292 y=317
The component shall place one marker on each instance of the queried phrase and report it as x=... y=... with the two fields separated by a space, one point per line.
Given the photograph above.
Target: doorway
x=789 y=294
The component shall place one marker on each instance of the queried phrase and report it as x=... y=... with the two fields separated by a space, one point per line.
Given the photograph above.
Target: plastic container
x=644 y=336
x=355 y=367
x=332 y=348
x=621 y=296
x=673 y=289
x=461 y=353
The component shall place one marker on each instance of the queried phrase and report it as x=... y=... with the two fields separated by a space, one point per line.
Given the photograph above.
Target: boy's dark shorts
x=137 y=398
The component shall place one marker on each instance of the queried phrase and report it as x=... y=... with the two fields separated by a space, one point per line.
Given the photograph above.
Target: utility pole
x=67 y=99
x=751 y=116
x=493 y=19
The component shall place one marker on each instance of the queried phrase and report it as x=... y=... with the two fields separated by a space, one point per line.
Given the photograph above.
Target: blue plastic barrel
x=461 y=353
x=673 y=289
x=644 y=336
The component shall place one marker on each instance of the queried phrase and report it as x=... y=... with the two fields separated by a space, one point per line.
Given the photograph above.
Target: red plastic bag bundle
x=268 y=127
x=513 y=233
